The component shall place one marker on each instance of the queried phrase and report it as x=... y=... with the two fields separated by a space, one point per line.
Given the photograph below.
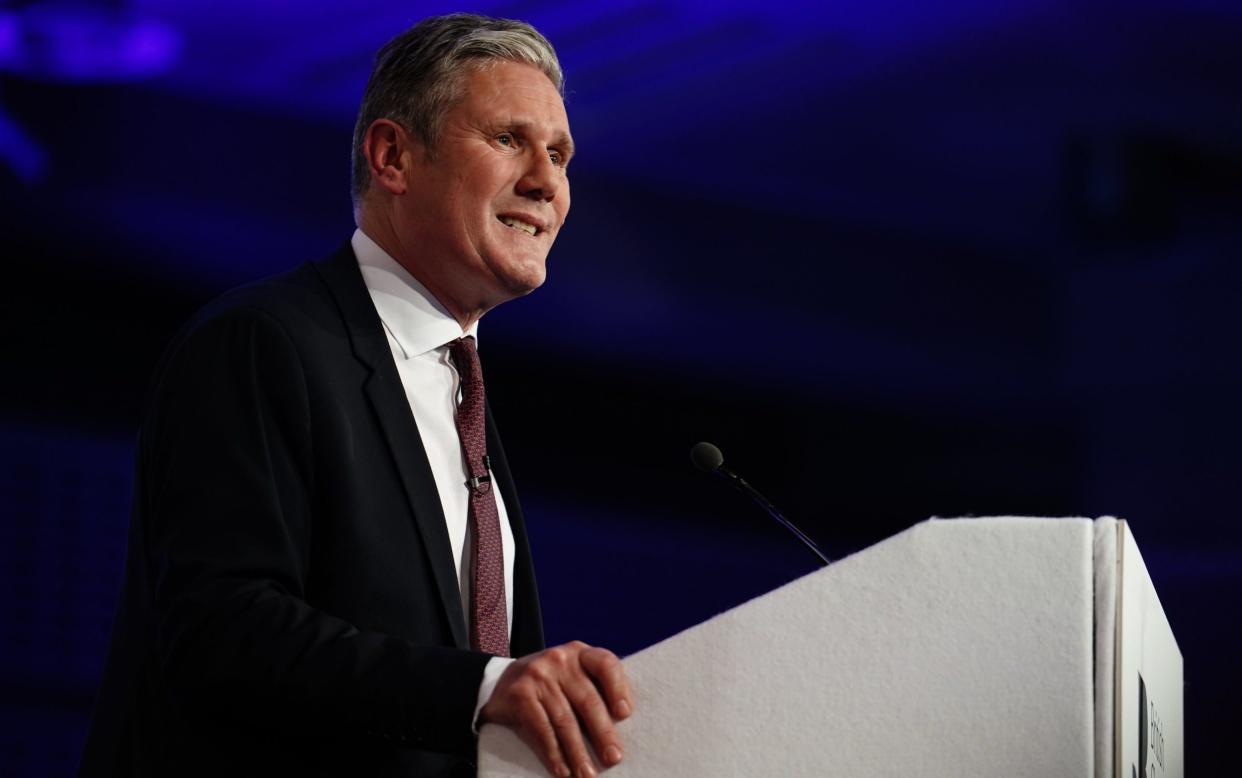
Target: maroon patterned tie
x=489 y=621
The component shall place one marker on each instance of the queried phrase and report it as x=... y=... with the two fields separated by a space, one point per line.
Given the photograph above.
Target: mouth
x=520 y=225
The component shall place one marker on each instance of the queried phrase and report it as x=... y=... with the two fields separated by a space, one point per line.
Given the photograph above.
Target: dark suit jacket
x=291 y=605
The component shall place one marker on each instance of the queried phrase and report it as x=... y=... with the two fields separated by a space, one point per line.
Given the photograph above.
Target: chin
x=525 y=285
x=522 y=279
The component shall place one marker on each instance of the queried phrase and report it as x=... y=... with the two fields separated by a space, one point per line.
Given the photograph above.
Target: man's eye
x=505 y=139
x=557 y=158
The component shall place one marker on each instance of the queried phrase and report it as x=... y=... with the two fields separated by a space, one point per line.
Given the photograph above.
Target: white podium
x=964 y=647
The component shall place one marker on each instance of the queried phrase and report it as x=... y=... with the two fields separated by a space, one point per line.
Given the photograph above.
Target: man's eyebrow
x=561 y=140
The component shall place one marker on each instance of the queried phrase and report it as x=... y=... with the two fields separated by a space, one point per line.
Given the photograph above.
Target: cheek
x=496 y=178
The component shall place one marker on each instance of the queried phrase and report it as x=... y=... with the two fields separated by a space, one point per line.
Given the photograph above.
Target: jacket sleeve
x=227 y=485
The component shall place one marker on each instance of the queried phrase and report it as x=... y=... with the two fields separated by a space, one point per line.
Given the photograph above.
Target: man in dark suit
x=321 y=579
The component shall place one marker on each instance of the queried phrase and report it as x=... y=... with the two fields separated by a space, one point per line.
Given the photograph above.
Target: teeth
x=518 y=224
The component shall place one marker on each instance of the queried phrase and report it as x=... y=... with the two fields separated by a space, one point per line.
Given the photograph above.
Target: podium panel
x=959 y=647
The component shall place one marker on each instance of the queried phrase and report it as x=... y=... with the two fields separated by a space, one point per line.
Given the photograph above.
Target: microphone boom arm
x=742 y=486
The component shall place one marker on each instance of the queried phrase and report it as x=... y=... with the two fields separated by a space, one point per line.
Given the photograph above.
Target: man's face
x=485 y=207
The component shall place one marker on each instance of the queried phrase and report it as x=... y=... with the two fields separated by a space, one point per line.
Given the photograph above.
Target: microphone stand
x=742 y=486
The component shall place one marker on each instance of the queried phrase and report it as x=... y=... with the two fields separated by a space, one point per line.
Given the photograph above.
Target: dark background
x=898 y=261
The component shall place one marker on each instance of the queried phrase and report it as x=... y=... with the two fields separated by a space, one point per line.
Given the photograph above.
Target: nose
x=542 y=180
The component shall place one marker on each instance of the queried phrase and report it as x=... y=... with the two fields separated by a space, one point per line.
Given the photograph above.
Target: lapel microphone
x=708 y=458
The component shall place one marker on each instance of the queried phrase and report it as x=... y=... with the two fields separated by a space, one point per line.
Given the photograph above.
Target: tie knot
x=466 y=358
x=462 y=346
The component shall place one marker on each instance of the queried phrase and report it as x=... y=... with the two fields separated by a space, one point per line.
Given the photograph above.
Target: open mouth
x=518 y=224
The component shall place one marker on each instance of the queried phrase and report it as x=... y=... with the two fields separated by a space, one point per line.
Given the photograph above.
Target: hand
x=544 y=696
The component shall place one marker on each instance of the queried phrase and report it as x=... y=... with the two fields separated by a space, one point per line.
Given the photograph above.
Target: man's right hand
x=544 y=696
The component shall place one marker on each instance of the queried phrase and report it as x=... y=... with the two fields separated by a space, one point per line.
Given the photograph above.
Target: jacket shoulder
x=289 y=298
x=288 y=317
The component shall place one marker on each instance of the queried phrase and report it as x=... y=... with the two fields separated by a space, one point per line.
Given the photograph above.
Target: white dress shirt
x=419 y=329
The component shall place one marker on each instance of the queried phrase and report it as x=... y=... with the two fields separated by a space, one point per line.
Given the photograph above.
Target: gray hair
x=418 y=74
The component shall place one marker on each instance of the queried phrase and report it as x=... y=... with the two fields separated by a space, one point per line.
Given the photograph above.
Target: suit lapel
x=387 y=397
x=527 y=633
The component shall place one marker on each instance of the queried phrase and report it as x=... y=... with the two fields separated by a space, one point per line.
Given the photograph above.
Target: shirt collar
x=412 y=315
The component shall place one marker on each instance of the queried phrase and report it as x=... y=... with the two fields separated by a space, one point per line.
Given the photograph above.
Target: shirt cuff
x=492 y=671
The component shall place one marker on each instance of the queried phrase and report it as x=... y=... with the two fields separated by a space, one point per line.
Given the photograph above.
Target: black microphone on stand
x=708 y=458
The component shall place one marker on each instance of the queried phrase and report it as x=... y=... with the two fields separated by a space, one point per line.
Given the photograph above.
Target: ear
x=389 y=151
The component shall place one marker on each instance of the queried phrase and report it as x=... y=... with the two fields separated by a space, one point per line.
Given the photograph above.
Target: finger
x=595 y=718
x=609 y=675
x=538 y=733
x=569 y=733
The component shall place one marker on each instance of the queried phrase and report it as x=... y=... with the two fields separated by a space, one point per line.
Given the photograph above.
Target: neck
x=379 y=228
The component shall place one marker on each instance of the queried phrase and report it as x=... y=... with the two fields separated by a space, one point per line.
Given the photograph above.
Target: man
x=321 y=579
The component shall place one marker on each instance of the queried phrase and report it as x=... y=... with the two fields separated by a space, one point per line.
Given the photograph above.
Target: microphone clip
x=480 y=485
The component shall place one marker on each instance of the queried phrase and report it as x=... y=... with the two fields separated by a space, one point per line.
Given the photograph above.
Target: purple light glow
x=19 y=152
x=70 y=42
x=9 y=38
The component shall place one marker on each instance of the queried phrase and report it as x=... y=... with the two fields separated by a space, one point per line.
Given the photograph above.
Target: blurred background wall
x=897 y=259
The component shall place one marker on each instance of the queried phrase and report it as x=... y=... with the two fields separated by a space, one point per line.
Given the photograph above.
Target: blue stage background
x=898 y=260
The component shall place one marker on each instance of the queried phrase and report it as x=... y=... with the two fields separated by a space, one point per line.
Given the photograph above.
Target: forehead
x=497 y=89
